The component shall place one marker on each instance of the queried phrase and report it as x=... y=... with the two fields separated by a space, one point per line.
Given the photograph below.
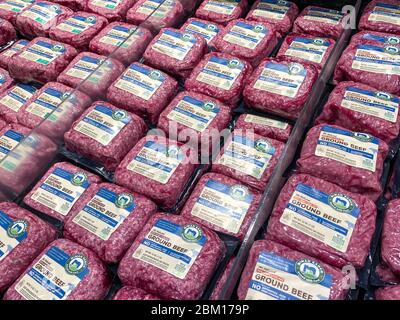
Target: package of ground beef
x=126 y=42
x=221 y=76
x=105 y=134
x=58 y=190
x=376 y=65
x=5 y=80
x=249 y=158
x=63 y=271
x=10 y=136
x=22 y=237
x=381 y=15
x=385 y=274
x=359 y=107
x=390 y=248
x=219 y=285
x=352 y=160
x=8 y=53
x=40 y=17
x=91 y=73
x=7 y=32
x=175 y=52
x=143 y=90
x=222 y=204
x=113 y=10
x=307 y=48
x=107 y=220
x=2 y=123
x=321 y=219
x=222 y=11
x=276 y=272
x=172 y=258
x=76 y=5
x=280 y=86
x=156 y=14
x=78 y=29
x=206 y=29
x=132 y=293
x=41 y=60
x=388 y=293
x=248 y=40
x=10 y=9
x=278 y=13
x=374 y=37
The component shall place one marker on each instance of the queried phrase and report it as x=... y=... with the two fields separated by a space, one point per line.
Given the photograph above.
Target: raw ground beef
x=374 y=37
x=349 y=159
x=10 y=9
x=156 y=14
x=113 y=10
x=41 y=60
x=58 y=190
x=249 y=158
x=280 y=86
x=306 y=48
x=78 y=29
x=388 y=293
x=23 y=236
x=40 y=17
x=219 y=286
x=5 y=80
x=107 y=220
x=8 y=53
x=381 y=15
x=375 y=65
x=264 y=126
x=206 y=29
x=68 y=271
x=143 y=90
x=76 y=5
x=197 y=251
x=7 y=32
x=132 y=293
x=190 y=5
x=359 y=107
x=222 y=204
x=248 y=40
x=391 y=237
x=91 y=73
x=276 y=272
x=158 y=168
x=385 y=274
x=321 y=219
x=113 y=40
x=222 y=11
x=280 y=14
x=105 y=134
x=2 y=123
x=221 y=76
x=10 y=136
x=320 y=22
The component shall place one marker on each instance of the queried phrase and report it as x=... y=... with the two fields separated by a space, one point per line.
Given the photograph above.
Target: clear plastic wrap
x=381 y=15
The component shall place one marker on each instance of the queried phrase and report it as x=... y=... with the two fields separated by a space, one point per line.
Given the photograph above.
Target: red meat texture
x=135 y=42
x=381 y=15
x=93 y=285
x=262 y=156
x=7 y=32
x=390 y=237
x=222 y=12
x=280 y=86
x=221 y=76
x=61 y=176
x=310 y=291
x=8 y=53
x=264 y=126
x=190 y=5
x=323 y=156
x=219 y=286
x=388 y=293
x=320 y=22
x=291 y=229
x=132 y=293
x=36 y=235
x=263 y=40
x=78 y=29
x=374 y=37
x=129 y=212
x=175 y=52
x=155 y=15
x=385 y=274
x=76 y=5
x=96 y=76
x=9 y=10
x=112 y=10
x=295 y=47
x=208 y=30
x=143 y=90
x=239 y=206
x=42 y=60
x=2 y=124
x=5 y=80
x=108 y=146
x=158 y=168
x=281 y=14
x=205 y=251
x=40 y=17
x=349 y=106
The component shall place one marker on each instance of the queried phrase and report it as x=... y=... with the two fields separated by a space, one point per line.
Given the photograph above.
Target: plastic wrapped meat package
x=381 y=15
x=7 y=32
x=10 y=9
x=132 y=293
x=219 y=286
x=388 y=293
x=10 y=136
x=6 y=54
x=113 y=10
x=76 y=5
x=5 y=80
x=221 y=11
x=208 y=30
x=390 y=250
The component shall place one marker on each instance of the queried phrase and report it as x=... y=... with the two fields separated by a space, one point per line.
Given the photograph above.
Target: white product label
x=272 y=9
x=206 y=30
x=77 y=24
x=156 y=8
x=103 y=124
x=121 y=36
x=264 y=121
x=312 y=50
x=223 y=205
x=106 y=4
x=17 y=47
x=328 y=218
x=42 y=12
x=12 y=232
x=17 y=96
x=43 y=52
x=61 y=190
x=194 y=113
x=355 y=149
x=246 y=35
x=388 y=40
x=15 y=6
x=8 y=141
x=54 y=276
x=46 y=103
x=279 y=278
x=171 y=247
x=226 y=7
x=324 y=15
x=385 y=12
x=89 y=68
x=174 y=44
x=284 y=80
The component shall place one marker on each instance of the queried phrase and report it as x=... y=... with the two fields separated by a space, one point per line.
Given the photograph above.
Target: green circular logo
x=392 y=50
x=364 y=137
x=309 y=271
x=57 y=48
x=173 y=152
x=258 y=28
x=208 y=106
x=187 y=37
x=155 y=74
x=384 y=96
x=393 y=40
x=212 y=27
x=17 y=228
x=79 y=178
x=54 y=8
x=91 y=19
x=238 y=192
x=319 y=42
x=234 y=63
x=262 y=146
x=340 y=202
x=295 y=68
x=192 y=233
x=119 y=115
x=76 y=264
x=123 y=200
